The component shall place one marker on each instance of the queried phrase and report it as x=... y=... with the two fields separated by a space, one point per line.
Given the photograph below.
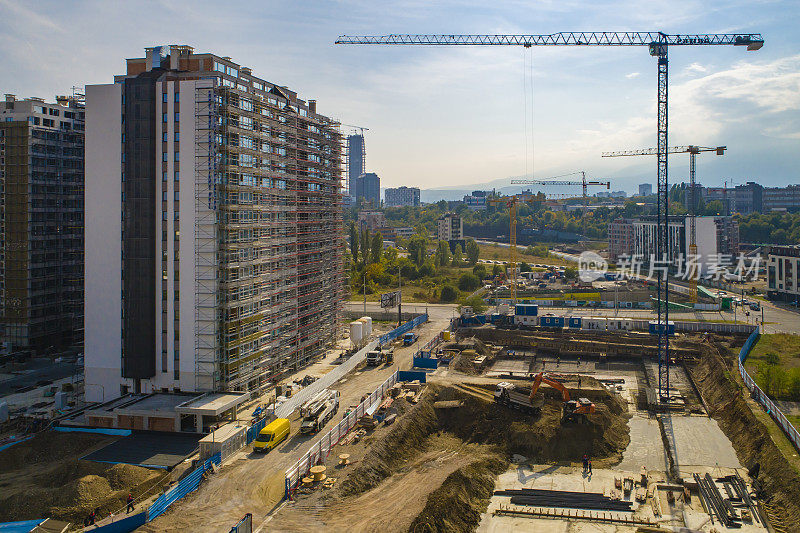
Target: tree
x=365 y=247
x=442 y=254
x=468 y=282
x=497 y=269
x=477 y=304
x=479 y=271
x=377 y=247
x=570 y=273
x=472 y=251
x=416 y=250
x=448 y=294
x=354 y=242
x=457 y=253
x=525 y=267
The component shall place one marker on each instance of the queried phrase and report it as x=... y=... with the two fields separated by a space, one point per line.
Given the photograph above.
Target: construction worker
x=585 y=463
x=590 y=467
x=130 y=503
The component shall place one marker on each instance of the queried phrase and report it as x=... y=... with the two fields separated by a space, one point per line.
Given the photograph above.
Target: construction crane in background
x=658 y=44
x=583 y=183
x=692 y=201
x=362 y=129
x=511 y=203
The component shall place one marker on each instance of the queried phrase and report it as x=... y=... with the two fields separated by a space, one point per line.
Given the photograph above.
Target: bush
x=479 y=271
x=497 y=269
x=477 y=304
x=468 y=282
x=525 y=267
x=448 y=294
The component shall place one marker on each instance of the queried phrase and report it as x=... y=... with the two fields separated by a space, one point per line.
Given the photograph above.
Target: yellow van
x=273 y=434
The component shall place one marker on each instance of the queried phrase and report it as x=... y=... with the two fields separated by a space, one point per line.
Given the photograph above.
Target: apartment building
x=715 y=236
x=402 y=197
x=356 y=160
x=41 y=222
x=477 y=200
x=213 y=228
x=783 y=273
x=450 y=227
x=645 y=189
x=368 y=189
x=371 y=220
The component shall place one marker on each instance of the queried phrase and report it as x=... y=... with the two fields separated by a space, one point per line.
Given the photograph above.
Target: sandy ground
x=392 y=505
x=254 y=483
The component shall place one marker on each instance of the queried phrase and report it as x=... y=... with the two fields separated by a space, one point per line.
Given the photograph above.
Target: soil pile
x=458 y=503
x=385 y=456
x=542 y=438
x=39 y=479
x=724 y=394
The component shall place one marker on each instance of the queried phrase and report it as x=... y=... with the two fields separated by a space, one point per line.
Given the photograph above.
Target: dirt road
x=250 y=483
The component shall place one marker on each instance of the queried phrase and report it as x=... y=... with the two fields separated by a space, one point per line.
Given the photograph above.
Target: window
x=164 y=176
x=177 y=136
x=164 y=157
x=177 y=156
x=177 y=97
x=177 y=117
x=177 y=176
x=177 y=194
x=164 y=98
x=164 y=136
x=163 y=196
x=164 y=117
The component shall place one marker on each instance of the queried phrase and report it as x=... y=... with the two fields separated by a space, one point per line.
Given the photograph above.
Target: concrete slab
x=646 y=448
x=700 y=442
x=155 y=450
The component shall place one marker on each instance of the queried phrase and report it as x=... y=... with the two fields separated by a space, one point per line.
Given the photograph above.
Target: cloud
x=632 y=75
x=695 y=68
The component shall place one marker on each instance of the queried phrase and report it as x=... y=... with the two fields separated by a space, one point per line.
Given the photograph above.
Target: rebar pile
x=565 y=499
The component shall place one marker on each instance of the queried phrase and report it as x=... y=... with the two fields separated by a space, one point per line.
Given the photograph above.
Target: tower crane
x=658 y=44
x=511 y=203
x=692 y=151
x=583 y=183
x=361 y=128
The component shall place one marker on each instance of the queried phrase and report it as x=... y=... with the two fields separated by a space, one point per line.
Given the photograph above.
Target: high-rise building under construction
x=213 y=228
x=41 y=222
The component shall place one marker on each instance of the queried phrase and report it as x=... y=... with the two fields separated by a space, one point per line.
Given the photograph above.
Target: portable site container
x=575 y=322
x=552 y=321
x=526 y=310
x=654 y=327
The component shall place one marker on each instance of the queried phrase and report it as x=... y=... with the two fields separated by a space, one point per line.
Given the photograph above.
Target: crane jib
x=752 y=40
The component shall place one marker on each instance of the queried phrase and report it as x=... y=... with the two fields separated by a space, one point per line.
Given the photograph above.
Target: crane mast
x=658 y=44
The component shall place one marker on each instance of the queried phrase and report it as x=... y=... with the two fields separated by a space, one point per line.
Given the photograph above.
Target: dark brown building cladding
x=15 y=213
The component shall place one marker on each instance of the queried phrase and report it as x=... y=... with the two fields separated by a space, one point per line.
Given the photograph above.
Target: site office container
x=552 y=321
x=526 y=310
x=575 y=322
x=526 y=320
x=654 y=327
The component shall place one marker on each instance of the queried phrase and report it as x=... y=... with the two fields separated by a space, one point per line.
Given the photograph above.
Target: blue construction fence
x=408 y=326
x=184 y=487
x=245 y=525
x=255 y=429
x=761 y=397
x=411 y=375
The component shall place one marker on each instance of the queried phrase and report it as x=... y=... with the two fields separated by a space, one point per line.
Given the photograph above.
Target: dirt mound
x=122 y=476
x=542 y=438
x=458 y=503
x=478 y=421
x=405 y=440
x=724 y=394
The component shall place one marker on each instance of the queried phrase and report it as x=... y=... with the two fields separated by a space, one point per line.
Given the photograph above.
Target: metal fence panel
x=245 y=525
x=184 y=487
x=773 y=410
x=298 y=399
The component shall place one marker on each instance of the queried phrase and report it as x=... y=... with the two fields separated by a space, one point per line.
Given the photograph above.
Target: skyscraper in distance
x=356 y=161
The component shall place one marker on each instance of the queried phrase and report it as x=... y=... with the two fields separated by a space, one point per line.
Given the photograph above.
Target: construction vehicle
x=409 y=339
x=273 y=434
x=317 y=411
x=375 y=357
x=572 y=411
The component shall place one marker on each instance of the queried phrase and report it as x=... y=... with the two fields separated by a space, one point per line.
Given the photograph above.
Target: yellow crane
x=692 y=151
x=511 y=203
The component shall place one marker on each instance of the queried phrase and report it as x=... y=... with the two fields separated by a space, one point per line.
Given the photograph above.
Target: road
x=254 y=483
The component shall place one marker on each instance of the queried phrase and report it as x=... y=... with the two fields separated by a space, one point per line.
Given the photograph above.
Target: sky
x=457 y=117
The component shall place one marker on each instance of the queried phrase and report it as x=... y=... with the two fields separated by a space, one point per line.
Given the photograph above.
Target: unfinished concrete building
x=41 y=222
x=221 y=268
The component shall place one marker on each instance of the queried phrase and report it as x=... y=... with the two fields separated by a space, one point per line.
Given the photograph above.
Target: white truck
x=515 y=397
x=318 y=411
x=380 y=356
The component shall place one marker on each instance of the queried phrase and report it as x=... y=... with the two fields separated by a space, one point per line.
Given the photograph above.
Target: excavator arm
x=541 y=378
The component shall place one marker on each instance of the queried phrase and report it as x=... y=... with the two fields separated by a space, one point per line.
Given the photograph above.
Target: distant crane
x=511 y=203
x=692 y=151
x=583 y=183
x=362 y=129
x=658 y=43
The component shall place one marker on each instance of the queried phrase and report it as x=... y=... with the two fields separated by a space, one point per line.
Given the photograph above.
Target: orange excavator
x=573 y=410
